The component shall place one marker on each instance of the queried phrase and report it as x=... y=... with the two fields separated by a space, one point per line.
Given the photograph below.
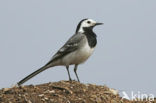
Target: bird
x=74 y=52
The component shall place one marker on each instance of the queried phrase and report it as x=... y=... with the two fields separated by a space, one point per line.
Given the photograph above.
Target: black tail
x=32 y=75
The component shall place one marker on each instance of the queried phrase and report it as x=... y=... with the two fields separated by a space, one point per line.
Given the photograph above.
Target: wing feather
x=70 y=46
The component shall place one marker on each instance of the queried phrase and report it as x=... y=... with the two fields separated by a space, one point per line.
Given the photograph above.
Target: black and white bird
x=74 y=52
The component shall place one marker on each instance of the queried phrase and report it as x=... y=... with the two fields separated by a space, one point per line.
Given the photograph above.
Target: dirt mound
x=62 y=92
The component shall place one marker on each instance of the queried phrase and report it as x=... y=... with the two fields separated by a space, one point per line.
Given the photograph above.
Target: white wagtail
x=75 y=51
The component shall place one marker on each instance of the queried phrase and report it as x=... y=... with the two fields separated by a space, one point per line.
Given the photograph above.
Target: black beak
x=99 y=23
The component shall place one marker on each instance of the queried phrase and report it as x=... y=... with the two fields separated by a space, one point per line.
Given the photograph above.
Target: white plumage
x=79 y=56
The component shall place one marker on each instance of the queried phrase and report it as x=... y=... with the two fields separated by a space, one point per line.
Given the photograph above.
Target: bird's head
x=86 y=24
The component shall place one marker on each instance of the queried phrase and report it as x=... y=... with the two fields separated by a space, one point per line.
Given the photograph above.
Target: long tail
x=32 y=75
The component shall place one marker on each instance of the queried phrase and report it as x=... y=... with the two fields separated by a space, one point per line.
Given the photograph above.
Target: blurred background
x=32 y=31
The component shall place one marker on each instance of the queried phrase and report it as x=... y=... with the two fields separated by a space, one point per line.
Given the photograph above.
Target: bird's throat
x=91 y=36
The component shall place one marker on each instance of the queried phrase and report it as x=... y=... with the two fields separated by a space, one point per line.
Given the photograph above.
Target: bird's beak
x=99 y=23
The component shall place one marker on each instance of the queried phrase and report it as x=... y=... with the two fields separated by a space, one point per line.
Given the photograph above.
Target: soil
x=62 y=92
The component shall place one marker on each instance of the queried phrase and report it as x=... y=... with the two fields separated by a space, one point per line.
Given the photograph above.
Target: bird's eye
x=88 y=22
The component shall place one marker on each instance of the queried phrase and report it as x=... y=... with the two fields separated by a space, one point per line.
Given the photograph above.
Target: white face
x=87 y=23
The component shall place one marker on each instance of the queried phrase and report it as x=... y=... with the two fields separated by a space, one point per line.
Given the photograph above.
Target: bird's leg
x=67 y=67
x=75 y=70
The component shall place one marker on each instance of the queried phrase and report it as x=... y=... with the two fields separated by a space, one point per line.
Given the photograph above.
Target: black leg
x=67 y=67
x=75 y=70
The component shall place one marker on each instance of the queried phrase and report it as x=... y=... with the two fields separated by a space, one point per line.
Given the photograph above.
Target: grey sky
x=31 y=31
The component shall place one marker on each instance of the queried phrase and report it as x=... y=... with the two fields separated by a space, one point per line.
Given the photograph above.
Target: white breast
x=79 y=56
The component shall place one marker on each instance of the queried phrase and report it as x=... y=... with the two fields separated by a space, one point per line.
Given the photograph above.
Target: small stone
x=46 y=98
x=41 y=95
x=115 y=92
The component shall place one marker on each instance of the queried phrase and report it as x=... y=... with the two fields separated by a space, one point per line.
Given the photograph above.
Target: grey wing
x=71 y=45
